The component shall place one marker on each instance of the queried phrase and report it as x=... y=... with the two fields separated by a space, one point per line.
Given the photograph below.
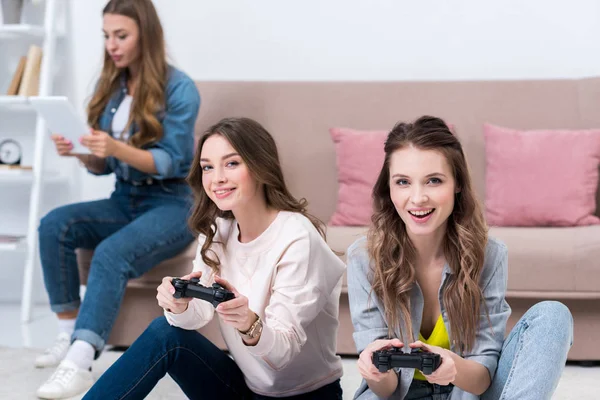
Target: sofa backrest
x=299 y=114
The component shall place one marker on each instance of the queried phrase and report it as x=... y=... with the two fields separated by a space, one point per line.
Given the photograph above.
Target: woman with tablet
x=142 y=115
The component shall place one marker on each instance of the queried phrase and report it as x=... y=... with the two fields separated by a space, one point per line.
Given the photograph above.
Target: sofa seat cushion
x=177 y=266
x=550 y=259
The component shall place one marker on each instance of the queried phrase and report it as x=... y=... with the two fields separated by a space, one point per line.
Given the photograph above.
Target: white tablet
x=61 y=118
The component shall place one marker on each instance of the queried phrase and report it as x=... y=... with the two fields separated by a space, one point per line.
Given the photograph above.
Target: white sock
x=66 y=326
x=82 y=354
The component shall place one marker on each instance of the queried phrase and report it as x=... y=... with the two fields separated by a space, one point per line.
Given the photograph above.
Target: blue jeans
x=201 y=369
x=425 y=390
x=532 y=359
x=131 y=232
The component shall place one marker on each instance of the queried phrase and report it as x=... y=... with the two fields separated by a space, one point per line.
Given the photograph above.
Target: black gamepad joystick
x=424 y=361
x=192 y=288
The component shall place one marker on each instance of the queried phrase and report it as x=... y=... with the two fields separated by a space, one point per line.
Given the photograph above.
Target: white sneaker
x=54 y=354
x=67 y=381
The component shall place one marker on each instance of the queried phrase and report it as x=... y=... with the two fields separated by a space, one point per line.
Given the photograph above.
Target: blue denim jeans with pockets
x=201 y=369
x=132 y=231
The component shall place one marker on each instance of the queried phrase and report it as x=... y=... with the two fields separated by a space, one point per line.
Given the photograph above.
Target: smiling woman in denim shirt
x=142 y=115
x=428 y=277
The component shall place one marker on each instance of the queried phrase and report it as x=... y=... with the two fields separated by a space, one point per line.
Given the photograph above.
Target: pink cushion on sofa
x=359 y=157
x=541 y=177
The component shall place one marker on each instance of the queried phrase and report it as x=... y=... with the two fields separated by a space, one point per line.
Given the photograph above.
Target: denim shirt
x=174 y=152
x=368 y=316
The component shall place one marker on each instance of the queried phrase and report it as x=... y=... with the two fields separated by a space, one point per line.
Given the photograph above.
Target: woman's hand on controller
x=365 y=360
x=446 y=372
x=235 y=312
x=165 y=293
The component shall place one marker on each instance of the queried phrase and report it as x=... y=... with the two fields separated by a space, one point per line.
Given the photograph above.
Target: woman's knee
x=557 y=311
x=112 y=260
x=106 y=251
x=160 y=329
x=162 y=332
x=557 y=316
x=52 y=223
x=158 y=324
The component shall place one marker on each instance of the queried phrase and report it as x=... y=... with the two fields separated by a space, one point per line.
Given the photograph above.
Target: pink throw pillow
x=541 y=177
x=359 y=156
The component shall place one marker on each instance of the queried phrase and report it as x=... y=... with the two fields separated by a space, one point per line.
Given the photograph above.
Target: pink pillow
x=541 y=177
x=359 y=157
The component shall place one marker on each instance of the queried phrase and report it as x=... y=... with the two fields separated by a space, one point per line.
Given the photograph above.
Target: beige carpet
x=19 y=379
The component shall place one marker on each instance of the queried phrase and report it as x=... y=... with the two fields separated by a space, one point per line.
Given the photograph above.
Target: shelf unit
x=15 y=102
x=20 y=245
x=37 y=178
x=26 y=176
x=20 y=30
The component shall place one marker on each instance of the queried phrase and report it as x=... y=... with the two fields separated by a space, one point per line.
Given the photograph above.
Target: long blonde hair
x=258 y=150
x=151 y=80
x=464 y=244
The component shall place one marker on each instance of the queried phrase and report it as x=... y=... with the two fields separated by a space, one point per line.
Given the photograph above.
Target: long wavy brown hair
x=464 y=244
x=151 y=79
x=258 y=150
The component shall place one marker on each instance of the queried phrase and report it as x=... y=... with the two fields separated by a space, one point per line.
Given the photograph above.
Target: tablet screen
x=61 y=118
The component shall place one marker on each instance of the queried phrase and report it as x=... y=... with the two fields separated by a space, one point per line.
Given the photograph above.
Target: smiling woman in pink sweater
x=259 y=242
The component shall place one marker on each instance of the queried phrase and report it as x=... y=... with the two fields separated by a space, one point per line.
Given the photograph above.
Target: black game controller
x=424 y=361
x=215 y=295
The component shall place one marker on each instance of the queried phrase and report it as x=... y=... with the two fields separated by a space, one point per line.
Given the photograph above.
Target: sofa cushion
x=541 y=177
x=550 y=259
x=177 y=266
x=359 y=157
x=545 y=259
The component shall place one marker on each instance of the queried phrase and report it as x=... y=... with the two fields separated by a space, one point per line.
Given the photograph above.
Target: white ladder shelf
x=48 y=34
x=45 y=89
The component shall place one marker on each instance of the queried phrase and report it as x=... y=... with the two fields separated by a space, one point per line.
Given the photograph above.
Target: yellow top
x=438 y=337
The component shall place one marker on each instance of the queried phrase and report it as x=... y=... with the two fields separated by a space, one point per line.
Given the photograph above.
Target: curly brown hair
x=258 y=150
x=464 y=244
x=151 y=80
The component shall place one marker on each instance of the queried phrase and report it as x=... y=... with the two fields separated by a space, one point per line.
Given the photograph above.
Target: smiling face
x=121 y=39
x=422 y=188
x=225 y=176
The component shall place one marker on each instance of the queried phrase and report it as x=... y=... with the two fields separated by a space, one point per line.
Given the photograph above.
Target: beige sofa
x=544 y=263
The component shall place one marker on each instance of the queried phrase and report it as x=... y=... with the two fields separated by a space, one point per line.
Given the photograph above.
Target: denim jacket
x=369 y=322
x=174 y=152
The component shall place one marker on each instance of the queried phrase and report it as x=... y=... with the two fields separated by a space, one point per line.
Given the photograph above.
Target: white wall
x=339 y=40
x=358 y=40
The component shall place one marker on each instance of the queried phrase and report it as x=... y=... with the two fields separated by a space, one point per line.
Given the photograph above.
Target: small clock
x=10 y=152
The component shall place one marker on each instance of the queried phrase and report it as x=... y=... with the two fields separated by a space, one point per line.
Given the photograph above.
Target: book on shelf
x=14 y=168
x=30 y=81
x=13 y=89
